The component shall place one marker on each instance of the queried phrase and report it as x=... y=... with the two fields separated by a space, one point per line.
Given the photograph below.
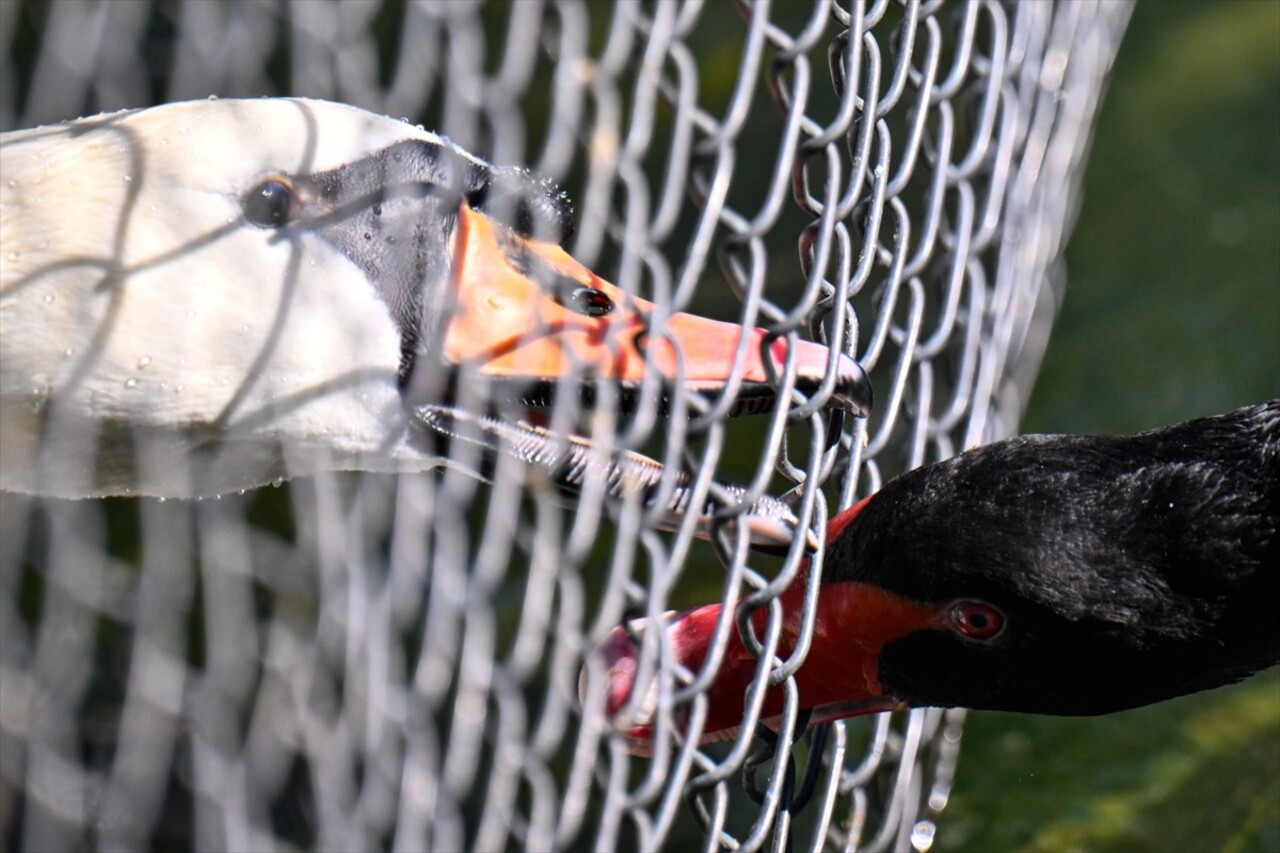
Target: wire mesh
x=362 y=660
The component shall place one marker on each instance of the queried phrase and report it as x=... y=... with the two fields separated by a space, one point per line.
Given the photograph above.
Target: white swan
x=209 y=296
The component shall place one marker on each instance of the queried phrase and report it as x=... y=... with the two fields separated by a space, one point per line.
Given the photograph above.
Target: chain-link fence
x=364 y=660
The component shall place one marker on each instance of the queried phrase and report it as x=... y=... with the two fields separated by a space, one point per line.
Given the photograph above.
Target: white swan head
x=213 y=295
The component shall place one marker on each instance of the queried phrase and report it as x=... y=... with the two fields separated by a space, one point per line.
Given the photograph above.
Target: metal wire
x=358 y=661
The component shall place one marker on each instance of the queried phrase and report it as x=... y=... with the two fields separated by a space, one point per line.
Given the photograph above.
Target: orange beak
x=527 y=310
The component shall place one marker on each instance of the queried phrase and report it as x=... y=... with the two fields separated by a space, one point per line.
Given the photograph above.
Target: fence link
x=363 y=660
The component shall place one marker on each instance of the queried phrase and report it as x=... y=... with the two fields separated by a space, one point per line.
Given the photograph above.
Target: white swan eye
x=270 y=204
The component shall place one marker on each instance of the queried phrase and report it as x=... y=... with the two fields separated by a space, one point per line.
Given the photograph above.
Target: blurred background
x=1172 y=311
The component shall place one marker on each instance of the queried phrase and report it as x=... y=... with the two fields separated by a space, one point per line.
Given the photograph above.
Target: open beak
x=839 y=677
x=526 y=312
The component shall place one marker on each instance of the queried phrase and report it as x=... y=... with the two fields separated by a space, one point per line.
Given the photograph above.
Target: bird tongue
x=838 y=678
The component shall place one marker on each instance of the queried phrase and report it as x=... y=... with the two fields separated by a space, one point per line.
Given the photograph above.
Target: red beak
x=839 y=677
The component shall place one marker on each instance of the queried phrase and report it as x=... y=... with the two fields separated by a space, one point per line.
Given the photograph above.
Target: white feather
x=153 y=343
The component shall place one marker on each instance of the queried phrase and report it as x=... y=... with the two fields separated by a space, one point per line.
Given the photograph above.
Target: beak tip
x=619 y=659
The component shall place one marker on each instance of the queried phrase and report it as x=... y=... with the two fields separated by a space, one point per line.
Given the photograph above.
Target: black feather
x=1130 y=568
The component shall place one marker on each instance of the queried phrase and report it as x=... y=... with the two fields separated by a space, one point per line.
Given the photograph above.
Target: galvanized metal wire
x=357 y=661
